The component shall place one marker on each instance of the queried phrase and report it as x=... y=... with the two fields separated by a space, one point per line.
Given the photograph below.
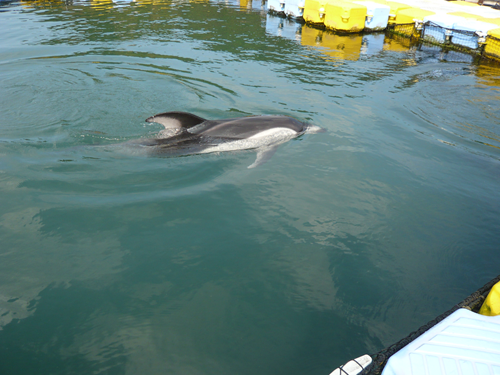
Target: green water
x=343 y=243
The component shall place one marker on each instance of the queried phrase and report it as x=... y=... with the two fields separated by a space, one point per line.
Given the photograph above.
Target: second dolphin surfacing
x=188 y=134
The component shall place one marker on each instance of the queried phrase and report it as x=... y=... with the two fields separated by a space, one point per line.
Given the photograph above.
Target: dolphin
x=188 y=134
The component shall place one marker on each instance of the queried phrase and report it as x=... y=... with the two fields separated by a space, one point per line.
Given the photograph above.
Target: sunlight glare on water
x=114 y=262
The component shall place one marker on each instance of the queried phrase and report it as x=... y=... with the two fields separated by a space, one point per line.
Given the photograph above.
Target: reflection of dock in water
x=283 y=27
x=338 y=47
x=243 y=4
x=354 y=46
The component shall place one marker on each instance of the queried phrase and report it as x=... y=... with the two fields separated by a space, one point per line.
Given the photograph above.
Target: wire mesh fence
x=470 y=41
x=408 y=30
x=459 y=39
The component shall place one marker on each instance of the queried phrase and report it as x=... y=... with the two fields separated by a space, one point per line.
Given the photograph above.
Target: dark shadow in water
x=195 y=292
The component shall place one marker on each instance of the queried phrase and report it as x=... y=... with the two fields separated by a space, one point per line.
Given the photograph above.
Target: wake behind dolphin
x=188 y=134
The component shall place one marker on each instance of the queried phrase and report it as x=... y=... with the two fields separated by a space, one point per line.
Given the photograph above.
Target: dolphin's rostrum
x=187 y=134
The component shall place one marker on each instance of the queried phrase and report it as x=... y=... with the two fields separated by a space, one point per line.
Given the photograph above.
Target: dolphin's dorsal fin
x=176 y=120
x=263 y=155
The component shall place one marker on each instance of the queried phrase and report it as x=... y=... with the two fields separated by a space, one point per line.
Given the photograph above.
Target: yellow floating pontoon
x=491 y=305
x=395 y=9
x=492 y=47
x=411 y=16
x=314 y=11
x=345 y=16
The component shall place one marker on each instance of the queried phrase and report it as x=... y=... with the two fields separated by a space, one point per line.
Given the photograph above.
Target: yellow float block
x=314 y=11
x=492 y=47
x=491 y=305
x=410 y=15
x=345 y=16
x=395 y=9
x=406 y=17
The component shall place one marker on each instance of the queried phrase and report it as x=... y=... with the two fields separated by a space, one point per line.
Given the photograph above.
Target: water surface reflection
x=343 y=243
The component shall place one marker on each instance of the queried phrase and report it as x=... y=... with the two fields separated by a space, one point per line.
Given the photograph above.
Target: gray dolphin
x=188 y=134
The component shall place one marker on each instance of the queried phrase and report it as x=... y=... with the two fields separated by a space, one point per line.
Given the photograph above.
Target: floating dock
x=464 y=340
x=453 y=24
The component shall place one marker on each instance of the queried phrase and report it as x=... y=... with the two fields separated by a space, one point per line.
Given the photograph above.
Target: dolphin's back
x=246 y=127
